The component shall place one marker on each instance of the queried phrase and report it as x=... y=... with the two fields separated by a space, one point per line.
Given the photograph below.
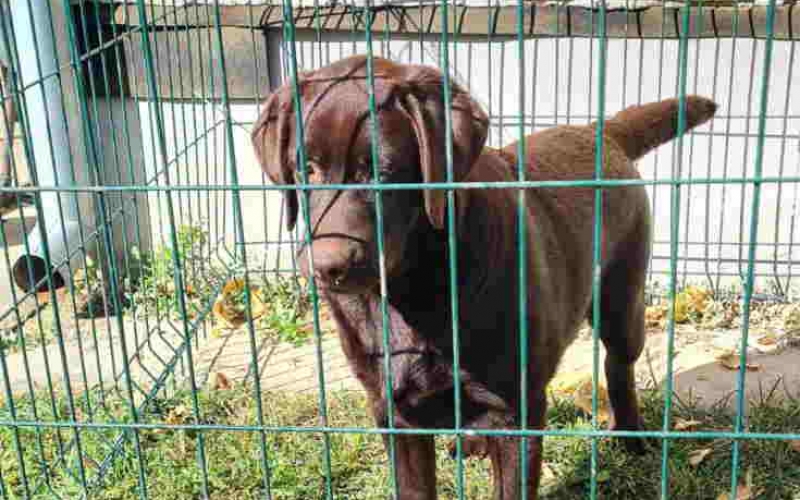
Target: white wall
x=565 y=89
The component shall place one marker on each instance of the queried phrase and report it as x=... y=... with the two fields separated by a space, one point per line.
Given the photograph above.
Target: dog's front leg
x=415 y=459
x=505 y=455
x=504 y=452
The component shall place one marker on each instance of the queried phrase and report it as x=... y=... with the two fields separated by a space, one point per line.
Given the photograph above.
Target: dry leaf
x=578 y=386
x=742 y=493
x=730 y=360
x=229 y=308
x=219 y=382
x=655 y=316
x=178 y=415
x=547 y=474
x=685 y=425
x=79 y=276
x=768 y=339
x=697 y=299
x=583 y=400
x=791 y=318
x=794 y=444
x=697 y=456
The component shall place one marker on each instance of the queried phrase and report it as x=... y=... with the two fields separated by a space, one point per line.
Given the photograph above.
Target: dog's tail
x=640 y=129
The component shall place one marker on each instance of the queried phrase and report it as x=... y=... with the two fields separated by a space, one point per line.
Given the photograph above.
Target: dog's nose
x=332 y=266
x=332 y=271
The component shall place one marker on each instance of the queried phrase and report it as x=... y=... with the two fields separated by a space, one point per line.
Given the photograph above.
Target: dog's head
x=411 y=148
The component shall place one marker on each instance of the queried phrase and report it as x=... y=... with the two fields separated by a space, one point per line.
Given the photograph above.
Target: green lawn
x=358 y=463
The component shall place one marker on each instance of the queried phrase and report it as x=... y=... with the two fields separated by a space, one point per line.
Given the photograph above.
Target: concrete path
x=286 y=368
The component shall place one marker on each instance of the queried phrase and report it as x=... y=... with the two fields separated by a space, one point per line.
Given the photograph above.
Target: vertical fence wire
x=597 y=254
x=452 y=242
x=683 y=60
x=708 y=190
x=23 y=118
x=18 y=99
x=300 y=154
x=241 y=248
x=177 y=260
x=726 y=154
x=754 y=220
x=379 y=236
x=523 y=251
x=783 y=290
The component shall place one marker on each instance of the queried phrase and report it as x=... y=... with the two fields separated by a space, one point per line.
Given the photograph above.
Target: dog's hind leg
x=622 y=330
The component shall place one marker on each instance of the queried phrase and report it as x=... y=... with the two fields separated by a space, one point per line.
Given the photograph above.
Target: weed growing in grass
x=156 y=292
x=289 y=306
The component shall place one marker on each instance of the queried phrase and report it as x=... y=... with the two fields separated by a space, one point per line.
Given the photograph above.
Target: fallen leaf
x=655 y=316
x=742 y=493
x=697 y=456
x=219 y=381
x=547 y=474
x=684 y=425
x=791 y=318
x=583 y=399
x=730 y=360
x=79 y=276
x=768 y=339
x=794 y=444
x=178 y=415
x=229 y=308
x=697 y=300
x=578 y=387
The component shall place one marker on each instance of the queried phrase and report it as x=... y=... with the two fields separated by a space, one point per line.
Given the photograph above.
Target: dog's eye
x=313 y=171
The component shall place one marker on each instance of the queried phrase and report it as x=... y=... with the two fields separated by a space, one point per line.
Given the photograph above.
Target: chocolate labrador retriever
x=558 y=236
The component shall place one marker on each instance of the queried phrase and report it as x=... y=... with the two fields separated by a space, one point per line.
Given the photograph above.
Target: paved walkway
x=286 y=368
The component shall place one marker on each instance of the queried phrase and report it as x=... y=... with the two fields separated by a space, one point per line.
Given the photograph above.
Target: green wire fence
x=149 y=208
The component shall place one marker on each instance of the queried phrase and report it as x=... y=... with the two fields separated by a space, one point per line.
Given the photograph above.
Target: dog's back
x=561 y=223
x=568 y=153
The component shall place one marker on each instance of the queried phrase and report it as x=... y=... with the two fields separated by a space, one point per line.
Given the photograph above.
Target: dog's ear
x=422 y=97
x=270 y=138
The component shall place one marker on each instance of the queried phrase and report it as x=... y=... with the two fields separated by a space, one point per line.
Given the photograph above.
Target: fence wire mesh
x=153 y=317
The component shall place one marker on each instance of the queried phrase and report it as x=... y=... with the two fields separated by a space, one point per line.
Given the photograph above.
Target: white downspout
x=51 y=151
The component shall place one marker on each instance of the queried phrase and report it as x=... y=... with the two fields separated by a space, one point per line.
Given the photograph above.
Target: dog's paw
x=635 y=445
x=638 y=445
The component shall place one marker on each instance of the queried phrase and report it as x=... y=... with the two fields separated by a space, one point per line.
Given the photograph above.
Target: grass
x=359 y=466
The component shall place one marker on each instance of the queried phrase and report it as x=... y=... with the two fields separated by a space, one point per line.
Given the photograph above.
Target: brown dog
x=559 y=236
